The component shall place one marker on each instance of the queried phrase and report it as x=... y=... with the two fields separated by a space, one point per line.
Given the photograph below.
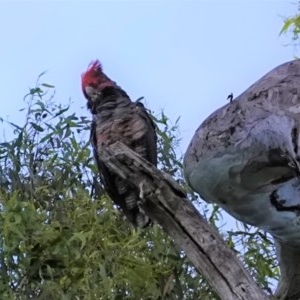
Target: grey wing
x=149 y=138
x=107 y=179
x=117 y=189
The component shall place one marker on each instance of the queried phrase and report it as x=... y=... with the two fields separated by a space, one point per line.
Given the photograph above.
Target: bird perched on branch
x=117 y=118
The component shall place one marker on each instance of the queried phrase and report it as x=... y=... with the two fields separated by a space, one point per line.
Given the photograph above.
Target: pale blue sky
x=183 y=56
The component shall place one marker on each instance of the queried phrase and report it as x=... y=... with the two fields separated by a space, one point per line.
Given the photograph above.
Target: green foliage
x=61 y=237
x=258 y=253
x=292 y=24
x=291 y=27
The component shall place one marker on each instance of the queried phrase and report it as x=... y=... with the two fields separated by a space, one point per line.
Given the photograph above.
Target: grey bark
x=246 y=158
x=165 y=202
x=289 y=260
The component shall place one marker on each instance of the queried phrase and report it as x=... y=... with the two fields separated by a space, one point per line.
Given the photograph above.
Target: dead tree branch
x=165 y=202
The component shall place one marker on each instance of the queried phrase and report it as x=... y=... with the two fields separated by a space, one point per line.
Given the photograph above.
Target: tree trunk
x=289 y=262
x=245 y=157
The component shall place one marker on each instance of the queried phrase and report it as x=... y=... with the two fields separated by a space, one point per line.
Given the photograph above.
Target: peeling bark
x=165 y=202
x=245 y=157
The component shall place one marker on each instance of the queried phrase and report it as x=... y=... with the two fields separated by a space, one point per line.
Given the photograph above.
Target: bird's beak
x=90 y=91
